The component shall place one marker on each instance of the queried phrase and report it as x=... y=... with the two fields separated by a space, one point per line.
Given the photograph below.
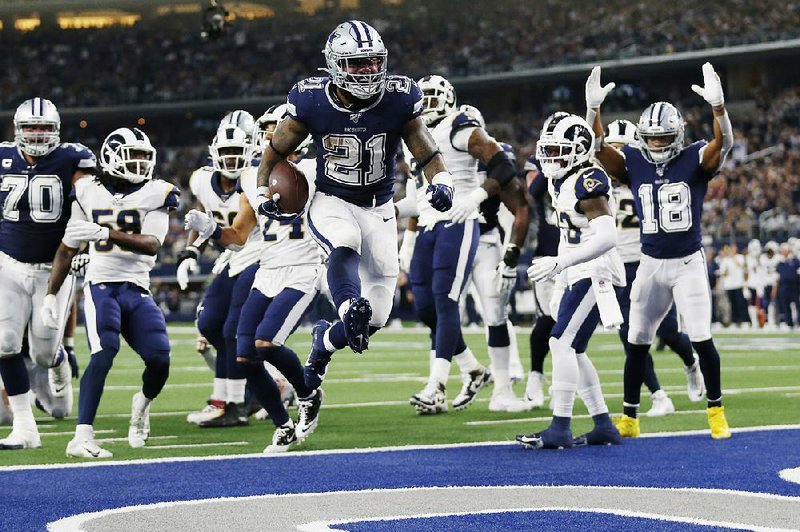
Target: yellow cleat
x=719 y=425
x=628 y=427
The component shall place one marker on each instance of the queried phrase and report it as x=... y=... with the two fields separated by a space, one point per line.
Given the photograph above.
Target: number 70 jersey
x=669 y=200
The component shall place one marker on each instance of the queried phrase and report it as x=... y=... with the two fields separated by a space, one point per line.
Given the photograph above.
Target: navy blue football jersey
x=669 y=201
x=548 y=234
x=36 y=205
x=355 y=149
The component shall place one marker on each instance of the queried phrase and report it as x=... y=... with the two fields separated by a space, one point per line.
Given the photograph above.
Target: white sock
x=502 y=382
x=589 y=386
x=21 y=408
x=343 y=309
x=326 y=341
x=499 y=357
x=513 y=348
x=431 y=358
x=84 y=432
x=220 y=391
x=565 y=378
x=236 y=390
x=441 y=370
x=466 y=361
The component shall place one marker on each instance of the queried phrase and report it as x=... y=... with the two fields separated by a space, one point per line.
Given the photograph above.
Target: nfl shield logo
x=354 y=117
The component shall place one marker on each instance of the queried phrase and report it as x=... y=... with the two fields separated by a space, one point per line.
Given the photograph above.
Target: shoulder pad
x=84 y=155
x=592 y=182
x=168 y=194
x=468 y=116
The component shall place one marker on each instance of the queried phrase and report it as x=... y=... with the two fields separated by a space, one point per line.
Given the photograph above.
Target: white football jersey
x=770 y=265
x=575 y=229
x=223 y=206
x=629 y=246
x=287 y=244
x=452 y=136
x=122 y=212
x=756 y=272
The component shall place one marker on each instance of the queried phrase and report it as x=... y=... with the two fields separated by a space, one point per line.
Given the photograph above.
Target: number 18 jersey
x=669 y=200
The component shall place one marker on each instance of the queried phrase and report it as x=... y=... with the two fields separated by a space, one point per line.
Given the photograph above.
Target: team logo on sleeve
x=591 y=183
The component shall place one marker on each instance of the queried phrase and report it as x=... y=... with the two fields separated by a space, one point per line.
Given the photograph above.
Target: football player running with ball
x=124 y=215
x=357 y=116
x=669 y=182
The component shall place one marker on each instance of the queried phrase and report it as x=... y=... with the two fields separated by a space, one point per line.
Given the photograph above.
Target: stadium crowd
x=162 y=60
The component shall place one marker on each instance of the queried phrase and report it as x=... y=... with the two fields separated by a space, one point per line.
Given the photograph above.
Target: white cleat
x=282 y=439
x=508 y=402
x=212 y=410
x=431 y=400
x=86 y=448
x=21 y=438
x=60 y=378
x=695 y=384
x=662 y=405
x=534 y=391
x=139 y=429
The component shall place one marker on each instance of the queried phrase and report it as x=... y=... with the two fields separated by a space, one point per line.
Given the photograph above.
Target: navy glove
x=270 y=208
x=440 y=192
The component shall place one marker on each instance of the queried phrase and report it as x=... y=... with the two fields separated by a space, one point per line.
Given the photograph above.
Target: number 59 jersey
x=36 y=204
x=355 y=148
x=123 y=212
x=223 y=207
x=284 y=243
x=669 y=200
x=587 y=183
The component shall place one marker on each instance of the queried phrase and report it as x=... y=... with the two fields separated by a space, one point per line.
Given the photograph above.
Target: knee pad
x=498 y=336
x=381 y=300
x=10 y=343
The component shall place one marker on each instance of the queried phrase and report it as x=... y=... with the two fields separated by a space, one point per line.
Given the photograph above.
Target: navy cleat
x=317 y=363
x=601 y=434
x=356 y=324
x=550 y=438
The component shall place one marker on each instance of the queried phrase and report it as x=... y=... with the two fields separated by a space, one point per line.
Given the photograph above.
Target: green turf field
x=367 y=398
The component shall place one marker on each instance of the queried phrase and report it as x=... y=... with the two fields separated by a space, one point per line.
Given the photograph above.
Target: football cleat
x=139 y=429
x=627 y=426
x=473 y=382
x=534 y=391
x=60 y=376
x=319 y=357
x=603 y=433
x=21 y=438
x=284 y=437
x=719 y=425
x=550 y=438
x=213 y=409
x=508 y=402
x=233 y=415
x=308 y=413
x=431 y=400
x=356 y=324
x=86 y=448
x=662 y=405
x=695 y=385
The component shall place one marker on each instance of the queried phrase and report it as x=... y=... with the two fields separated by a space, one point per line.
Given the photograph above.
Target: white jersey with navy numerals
x=224 y=206
x=284 y=243
x=123 y=212
x=629 y=245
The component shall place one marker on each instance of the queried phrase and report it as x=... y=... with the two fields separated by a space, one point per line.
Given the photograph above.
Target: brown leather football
x=287 y=180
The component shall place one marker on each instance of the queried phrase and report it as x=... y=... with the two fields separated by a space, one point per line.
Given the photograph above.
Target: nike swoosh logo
x=449 y=224
x=387 y=219
x=688 y=261
x=93 y=453
x=59 y=390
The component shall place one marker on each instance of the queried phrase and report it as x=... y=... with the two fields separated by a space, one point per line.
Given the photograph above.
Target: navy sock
x=602 y=420
x=540 y=338
x=682 y=346
x=232 y=370
x=15 y=375
x=92 y=383
x=287 y=362
x=266 y=391
x=221 y=362
x=562 y=423
x=635 y=367
x=343 y=278
x=448 y=326
x=710 y=366
x=498 y=336
x=650 y=378
x=154 y=377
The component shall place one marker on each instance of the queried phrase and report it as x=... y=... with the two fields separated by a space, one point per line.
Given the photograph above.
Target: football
x=289 y=181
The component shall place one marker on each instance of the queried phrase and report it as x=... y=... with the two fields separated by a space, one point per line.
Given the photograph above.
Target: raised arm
x=717 y=150
x=611 y=158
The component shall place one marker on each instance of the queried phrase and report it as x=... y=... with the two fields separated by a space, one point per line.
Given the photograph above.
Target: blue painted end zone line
x=750 y=461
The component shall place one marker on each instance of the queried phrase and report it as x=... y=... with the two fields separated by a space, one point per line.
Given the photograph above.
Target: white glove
x=78 y=264
x=187 y=263
x=596 y=93
x=202 y=222
x=222 y=261
x=544 y=268
x=49 y=311
x=505 y=277
x=407 y=250
x=712 y=91
x=464 y=206
x=85 y=231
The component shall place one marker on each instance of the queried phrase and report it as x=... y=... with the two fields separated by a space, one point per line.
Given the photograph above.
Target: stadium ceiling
x=24 y=7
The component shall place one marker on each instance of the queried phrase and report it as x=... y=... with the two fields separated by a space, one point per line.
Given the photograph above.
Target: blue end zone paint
x=748 y=462
x=542 y=520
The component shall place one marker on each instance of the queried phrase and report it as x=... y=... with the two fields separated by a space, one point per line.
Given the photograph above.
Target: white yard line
x=192 y=445
x=72 y=432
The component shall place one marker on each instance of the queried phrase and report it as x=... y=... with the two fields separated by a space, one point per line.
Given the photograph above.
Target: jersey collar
x=336 y=104
x=217 y=187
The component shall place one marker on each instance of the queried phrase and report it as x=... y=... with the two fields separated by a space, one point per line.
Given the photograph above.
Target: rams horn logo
x=591 y=183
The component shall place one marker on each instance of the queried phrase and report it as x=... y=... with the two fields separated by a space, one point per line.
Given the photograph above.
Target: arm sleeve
x=294 y=103
x=77 y=214
x=592 y=184
x=173 y=198
x=156 y=223
x=86 y=159
x=463 y=126
x=416 y=100
x=604 y=238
